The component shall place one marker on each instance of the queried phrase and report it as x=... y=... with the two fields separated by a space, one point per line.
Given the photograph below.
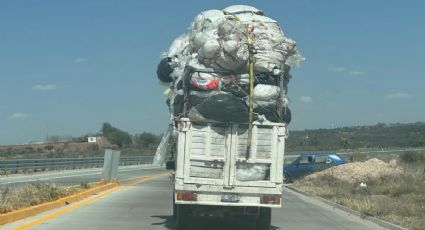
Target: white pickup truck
x=216 y=174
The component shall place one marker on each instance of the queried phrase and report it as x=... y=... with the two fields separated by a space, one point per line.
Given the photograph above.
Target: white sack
x=204 y=76
x=199 y=38
x=235 y=9
x=179 y=45
x=209 y=49
x=249 y=172
x=264 y=92
x=206 y=19
x=251 y=17
x=243 y=78
x=164 y=147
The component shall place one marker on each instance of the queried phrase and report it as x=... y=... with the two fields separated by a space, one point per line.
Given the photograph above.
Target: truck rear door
x=207 y=151
x=262 y=166
x=216 y=154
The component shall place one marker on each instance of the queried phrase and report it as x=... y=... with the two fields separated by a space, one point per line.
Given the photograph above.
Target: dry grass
x=398 y=198
x=33 y=194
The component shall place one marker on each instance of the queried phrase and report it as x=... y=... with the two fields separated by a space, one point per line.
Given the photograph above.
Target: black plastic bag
x=223 y=107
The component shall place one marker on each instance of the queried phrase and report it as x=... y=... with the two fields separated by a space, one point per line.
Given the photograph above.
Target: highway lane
x=74 y=177
x=149 y=206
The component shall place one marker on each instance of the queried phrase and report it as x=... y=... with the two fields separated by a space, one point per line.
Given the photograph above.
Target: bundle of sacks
x=206 y=69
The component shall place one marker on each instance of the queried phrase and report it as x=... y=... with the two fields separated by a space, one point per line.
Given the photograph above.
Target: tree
x=59 y=139
x=344 y=142
x=146 y=140
x=116 y=136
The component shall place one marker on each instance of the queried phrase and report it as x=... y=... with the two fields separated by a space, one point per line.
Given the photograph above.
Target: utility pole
x=47 y=132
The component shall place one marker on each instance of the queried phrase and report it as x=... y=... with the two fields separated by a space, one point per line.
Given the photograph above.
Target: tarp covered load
x=207 y=72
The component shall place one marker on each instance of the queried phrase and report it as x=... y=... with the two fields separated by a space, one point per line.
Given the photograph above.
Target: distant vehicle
x=308 y=163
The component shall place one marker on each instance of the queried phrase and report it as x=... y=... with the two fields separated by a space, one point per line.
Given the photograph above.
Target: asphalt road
x=149 y=206
x=74 y=177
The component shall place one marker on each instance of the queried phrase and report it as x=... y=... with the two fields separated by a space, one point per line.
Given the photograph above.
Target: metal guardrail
x=96 y=162
x=365 y=151
x=68 y=163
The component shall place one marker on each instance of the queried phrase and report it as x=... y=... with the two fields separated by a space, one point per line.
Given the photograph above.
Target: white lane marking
x=50 y=173
x=153 y=167
x=49 y=178
x=44 y=177
x=76 y=175
x=73 y=172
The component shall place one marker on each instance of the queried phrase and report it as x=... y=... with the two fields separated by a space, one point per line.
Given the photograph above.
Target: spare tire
x=164 y=70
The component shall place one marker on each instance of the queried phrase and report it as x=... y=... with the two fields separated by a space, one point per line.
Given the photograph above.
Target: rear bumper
x=212 y=195
x=215 y=200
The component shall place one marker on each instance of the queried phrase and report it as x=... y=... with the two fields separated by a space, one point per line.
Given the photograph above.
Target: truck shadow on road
x=167 y=221
x=208 y=223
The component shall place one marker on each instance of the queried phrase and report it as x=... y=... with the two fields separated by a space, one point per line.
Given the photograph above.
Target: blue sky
x=71 y=65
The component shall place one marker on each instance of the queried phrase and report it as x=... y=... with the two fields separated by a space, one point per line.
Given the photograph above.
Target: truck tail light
x=188 y=196
x=270 y=199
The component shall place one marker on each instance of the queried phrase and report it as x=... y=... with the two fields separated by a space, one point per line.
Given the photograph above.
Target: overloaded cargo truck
x=226 y=81
x=214 y=176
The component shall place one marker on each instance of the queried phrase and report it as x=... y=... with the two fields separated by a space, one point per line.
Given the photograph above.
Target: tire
x=286 y=178
x=264 y=219
x=182 y=217
x=174 y=208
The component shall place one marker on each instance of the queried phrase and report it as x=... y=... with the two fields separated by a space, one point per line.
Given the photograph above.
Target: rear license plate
x=230 y=197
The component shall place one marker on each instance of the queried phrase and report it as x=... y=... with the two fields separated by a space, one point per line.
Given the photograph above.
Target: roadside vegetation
x=392 y=189
x=141 y=144
x=377 y=136
x=12 y=199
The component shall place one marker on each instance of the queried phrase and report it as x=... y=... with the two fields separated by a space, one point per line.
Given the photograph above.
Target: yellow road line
x=84 y=202
x=65 y=210
x=145 y=178
x=43 y=207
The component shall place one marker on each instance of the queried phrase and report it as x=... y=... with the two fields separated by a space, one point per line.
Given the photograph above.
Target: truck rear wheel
x=174 y=207
x=286 y=178
x=182 y=217
x=264 y=219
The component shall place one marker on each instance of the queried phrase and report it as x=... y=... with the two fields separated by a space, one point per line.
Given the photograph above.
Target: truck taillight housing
x=270 y=199
x=188 y=196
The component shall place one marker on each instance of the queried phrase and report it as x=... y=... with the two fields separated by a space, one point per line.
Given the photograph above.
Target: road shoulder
x=342 y=210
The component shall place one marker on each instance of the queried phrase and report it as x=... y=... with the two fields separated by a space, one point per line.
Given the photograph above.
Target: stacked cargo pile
x=229 y=64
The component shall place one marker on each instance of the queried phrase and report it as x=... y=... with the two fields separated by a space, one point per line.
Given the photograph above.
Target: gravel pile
x=360 y=171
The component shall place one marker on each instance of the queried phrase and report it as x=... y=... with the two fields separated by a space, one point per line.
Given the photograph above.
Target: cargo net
x=206 y=69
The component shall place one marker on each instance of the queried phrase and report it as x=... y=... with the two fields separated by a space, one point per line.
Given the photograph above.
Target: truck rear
x=219 y=174
x=227 y=83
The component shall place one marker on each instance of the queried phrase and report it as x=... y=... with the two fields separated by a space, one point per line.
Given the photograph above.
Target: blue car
x=308 y=163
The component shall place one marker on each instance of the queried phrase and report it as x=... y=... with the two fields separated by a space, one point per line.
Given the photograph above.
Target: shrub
x=412 y=157
x=356 y=156
x=32 y=194
x=398 y=198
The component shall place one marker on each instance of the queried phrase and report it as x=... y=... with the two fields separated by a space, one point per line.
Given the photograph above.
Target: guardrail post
x=110 y=164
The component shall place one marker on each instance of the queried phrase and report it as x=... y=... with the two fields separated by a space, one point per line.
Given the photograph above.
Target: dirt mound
x=360 y=171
